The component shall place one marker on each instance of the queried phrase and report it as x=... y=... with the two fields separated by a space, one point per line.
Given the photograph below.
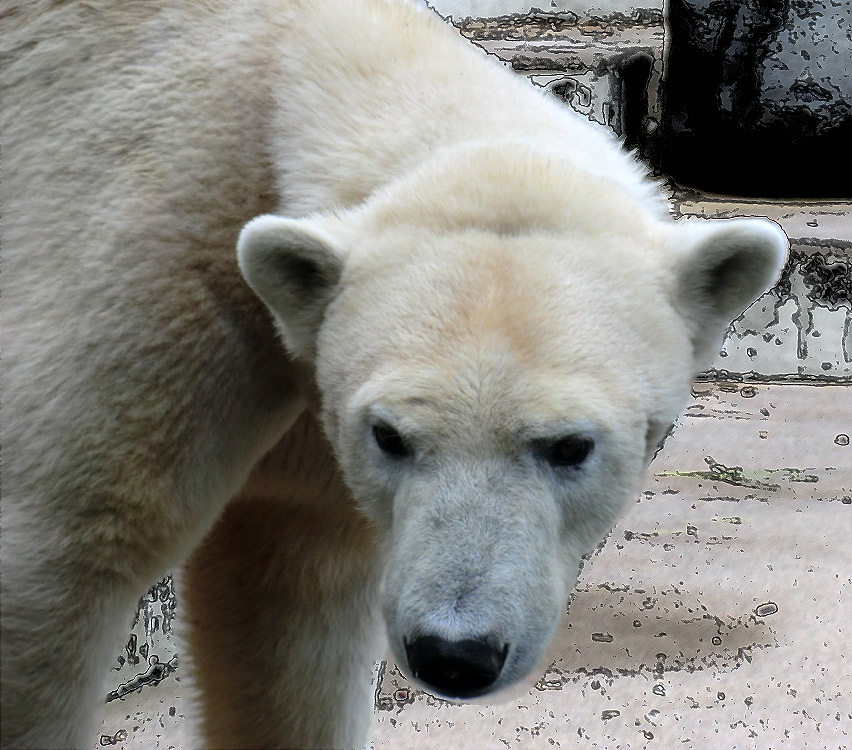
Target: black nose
x=456 y=669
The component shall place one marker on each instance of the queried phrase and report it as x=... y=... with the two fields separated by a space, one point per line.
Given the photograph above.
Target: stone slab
x=828 y=222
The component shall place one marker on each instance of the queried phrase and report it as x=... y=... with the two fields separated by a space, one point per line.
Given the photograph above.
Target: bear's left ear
x=720 y=268
x=293 y=265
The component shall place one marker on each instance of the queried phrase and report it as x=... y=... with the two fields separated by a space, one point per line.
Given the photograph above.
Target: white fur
x=463 y=258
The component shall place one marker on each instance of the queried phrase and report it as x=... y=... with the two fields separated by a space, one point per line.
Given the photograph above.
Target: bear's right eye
x=570 y=451
x=389 y=440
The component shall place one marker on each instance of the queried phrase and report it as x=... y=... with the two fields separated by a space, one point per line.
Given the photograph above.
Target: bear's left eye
x=570 y=451
x=389 y=440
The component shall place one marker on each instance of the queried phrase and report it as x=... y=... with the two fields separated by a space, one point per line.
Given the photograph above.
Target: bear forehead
x=499 y=329
x=542 y=296
x=488 y=389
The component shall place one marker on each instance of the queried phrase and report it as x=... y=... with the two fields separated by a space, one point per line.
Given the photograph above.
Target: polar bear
x=457 y=322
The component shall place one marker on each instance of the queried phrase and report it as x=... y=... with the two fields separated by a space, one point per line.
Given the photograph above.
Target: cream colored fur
x=464 y=258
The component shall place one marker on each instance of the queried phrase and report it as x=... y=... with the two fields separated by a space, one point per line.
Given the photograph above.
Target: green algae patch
x=733 y=475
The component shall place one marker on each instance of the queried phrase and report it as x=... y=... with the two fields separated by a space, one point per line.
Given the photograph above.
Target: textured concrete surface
x=149 y=718
x=460 y=9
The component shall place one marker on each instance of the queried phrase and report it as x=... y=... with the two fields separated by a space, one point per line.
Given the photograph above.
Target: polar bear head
x=500 y=342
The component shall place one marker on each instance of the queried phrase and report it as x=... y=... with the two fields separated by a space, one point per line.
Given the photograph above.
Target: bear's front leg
x=284 y=626
x=64 y=620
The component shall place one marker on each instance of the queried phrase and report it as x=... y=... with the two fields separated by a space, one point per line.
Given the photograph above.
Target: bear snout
x=456 y=669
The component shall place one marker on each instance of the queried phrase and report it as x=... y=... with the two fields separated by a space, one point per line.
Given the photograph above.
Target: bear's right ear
x=720 y=267
x=293 y=265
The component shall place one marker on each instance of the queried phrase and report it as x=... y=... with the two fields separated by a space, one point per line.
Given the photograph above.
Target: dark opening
x=757 y=98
